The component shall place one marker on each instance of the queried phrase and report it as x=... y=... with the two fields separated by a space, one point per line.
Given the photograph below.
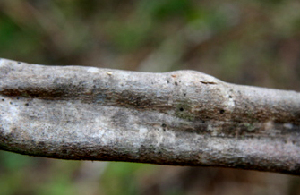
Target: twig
x=180 y=118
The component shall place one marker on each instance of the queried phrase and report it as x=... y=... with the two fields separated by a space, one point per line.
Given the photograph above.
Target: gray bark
x=179 y=118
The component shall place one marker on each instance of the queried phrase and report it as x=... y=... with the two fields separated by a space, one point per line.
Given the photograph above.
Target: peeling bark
x=179 y=118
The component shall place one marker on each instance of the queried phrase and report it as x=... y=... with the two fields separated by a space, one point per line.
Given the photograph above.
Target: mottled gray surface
x=183 y=118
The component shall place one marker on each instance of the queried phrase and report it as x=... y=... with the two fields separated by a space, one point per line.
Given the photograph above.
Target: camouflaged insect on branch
x=180 y=118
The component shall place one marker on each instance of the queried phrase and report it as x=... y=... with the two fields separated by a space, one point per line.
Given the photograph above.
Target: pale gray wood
x=182 y=118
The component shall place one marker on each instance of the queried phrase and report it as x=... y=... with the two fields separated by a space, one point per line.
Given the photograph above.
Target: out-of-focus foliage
x=246 y=42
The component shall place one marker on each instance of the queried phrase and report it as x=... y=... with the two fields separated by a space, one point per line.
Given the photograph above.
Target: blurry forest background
x=245 y=42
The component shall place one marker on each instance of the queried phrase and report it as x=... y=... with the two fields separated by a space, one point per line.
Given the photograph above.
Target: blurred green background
x=245 y=42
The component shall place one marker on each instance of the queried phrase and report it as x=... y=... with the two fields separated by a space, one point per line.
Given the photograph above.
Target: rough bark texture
x=180 y=118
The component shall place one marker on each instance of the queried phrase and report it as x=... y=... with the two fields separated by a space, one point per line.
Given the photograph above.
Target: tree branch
x=180 y=118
